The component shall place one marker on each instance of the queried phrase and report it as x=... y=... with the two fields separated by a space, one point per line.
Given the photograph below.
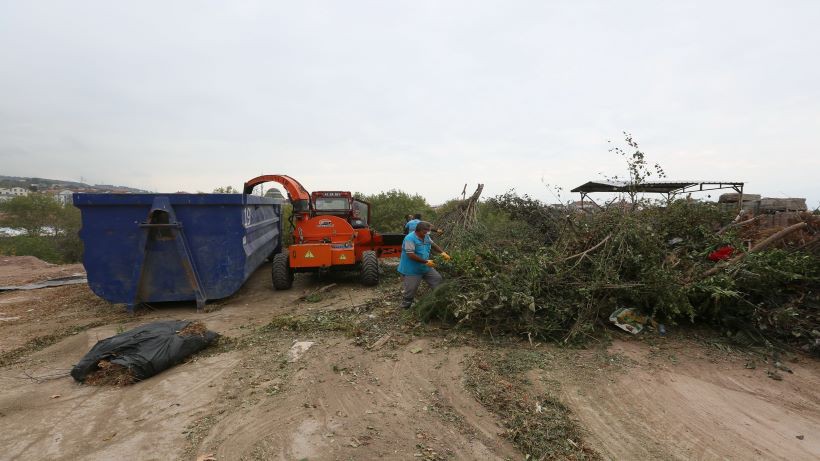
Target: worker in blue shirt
x=415 y=264
x=410 y=226
x=407 y=219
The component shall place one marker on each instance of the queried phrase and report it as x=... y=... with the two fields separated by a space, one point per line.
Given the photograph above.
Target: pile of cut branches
x=457 y=220
x=650 y=257
x=464 y=212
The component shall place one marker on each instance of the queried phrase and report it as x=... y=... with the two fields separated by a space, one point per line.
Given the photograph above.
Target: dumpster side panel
x=106 y=232
x=228 y=236
x=263 y=233
x=214 y=236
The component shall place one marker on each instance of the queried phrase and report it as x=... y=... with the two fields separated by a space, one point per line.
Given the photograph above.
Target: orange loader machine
x=331 y=231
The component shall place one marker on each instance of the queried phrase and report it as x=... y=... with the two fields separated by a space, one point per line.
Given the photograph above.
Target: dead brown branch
x=323 y=289
x=737 y=224
x=812 y=246
x=584 y=253
x=43 y=378
x=464 y=215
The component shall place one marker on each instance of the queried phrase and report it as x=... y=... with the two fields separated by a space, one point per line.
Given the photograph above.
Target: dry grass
x=196 y=328
x=537 y=423
x=111 y=374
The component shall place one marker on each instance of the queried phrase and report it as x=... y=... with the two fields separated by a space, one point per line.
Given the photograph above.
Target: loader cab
x=343 y=205
x=332 y=203
x=360 y=216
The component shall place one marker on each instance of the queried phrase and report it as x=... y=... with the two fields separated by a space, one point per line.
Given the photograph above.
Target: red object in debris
x=724 y=252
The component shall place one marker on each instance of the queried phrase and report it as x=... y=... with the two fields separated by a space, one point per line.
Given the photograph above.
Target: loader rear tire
x=280 y=272
x=370 y=269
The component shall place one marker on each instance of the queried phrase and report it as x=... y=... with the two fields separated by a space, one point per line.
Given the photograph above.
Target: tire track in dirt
x=343 y=401
x=697 y=408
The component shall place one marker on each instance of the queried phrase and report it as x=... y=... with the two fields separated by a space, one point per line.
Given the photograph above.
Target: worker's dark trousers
x=410 y=284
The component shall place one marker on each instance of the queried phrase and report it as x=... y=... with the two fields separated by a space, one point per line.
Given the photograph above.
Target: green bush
x=388 y=209
x=774 y=294
x=31 y=245
x=287 y=225
x=50 y=229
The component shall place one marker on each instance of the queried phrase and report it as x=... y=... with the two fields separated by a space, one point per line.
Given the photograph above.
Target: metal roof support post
x=740 y=201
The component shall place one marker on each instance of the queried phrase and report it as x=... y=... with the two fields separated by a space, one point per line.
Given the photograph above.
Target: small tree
x=639 y=171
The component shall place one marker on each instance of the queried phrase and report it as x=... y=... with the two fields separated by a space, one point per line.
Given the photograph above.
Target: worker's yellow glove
x=445 y=256
x=430 y=263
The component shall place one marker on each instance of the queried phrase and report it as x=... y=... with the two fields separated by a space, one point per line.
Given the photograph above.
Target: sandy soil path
x=677 y=398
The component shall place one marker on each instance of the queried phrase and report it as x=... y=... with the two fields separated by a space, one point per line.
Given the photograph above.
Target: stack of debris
x=774 y=205
x=460 y=220
x=754 y=204
x=751 y=202
x=765 y=217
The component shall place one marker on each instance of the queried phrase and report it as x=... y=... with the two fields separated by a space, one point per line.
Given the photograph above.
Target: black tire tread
x=281 y=274
x=370 y=269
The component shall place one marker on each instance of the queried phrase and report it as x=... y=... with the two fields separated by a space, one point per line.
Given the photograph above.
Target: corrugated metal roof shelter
x=670 y=188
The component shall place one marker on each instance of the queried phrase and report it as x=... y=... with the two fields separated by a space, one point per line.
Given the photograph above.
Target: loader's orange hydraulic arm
x=298 y=195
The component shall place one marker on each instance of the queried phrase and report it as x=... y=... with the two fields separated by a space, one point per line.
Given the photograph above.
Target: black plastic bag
x=145 y=350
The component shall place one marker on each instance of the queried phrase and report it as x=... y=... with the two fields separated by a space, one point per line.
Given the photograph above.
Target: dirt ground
x=20 y=270
x=351 y=396
x=686 y=398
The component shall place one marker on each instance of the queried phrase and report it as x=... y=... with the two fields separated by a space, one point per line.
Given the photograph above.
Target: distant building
x=8 y=194
x=64 y=197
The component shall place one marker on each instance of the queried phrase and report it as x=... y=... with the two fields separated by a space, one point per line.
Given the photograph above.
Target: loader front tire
x=280 y=272
x=370 y=269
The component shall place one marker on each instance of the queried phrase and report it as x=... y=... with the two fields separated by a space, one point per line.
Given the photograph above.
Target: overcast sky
x=422 y=96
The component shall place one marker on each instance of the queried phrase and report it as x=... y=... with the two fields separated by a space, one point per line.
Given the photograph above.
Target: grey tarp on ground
x=58 y=282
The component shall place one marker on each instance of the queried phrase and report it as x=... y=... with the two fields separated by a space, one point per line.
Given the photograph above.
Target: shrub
x=388 y=209
x=651 y=259
x=50 y=230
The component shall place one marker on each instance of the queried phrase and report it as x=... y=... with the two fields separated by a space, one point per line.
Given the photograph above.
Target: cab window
x=331 y=203
x=362 y=209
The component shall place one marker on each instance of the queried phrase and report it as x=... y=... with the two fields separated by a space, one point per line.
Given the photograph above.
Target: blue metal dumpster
x=175 y=247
